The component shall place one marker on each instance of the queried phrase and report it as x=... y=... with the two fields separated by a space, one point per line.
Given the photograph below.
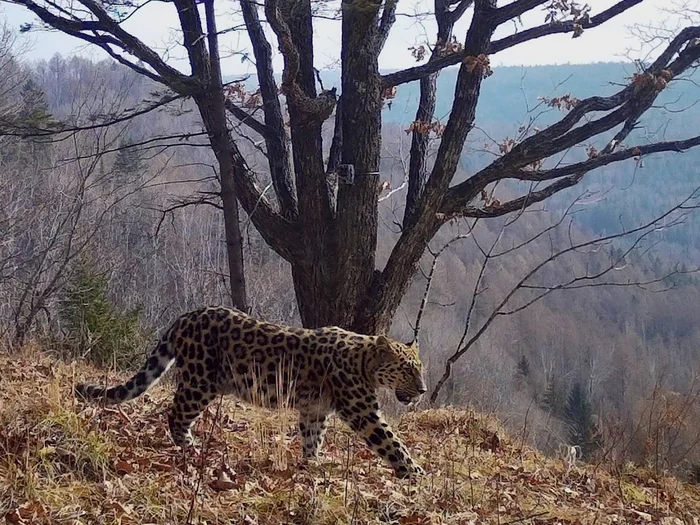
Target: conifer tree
x=554 y=399
x=128 y=163
x=579 y=417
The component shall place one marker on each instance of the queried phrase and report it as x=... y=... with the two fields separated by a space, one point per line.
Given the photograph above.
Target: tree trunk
x=212 y=109
x=357 y=215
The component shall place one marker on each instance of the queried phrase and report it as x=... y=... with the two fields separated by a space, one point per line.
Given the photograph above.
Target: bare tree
x=606 y=270
x=59 y=194
x=328 y=230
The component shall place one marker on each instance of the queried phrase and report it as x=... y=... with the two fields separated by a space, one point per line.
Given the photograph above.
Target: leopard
x=316 y=372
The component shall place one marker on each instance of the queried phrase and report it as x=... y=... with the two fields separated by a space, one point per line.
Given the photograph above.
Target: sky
x=156 y=24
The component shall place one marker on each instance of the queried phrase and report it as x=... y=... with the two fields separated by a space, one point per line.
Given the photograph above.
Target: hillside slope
x=63 y=462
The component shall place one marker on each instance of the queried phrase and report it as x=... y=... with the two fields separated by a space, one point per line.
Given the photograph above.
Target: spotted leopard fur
x=318 y=372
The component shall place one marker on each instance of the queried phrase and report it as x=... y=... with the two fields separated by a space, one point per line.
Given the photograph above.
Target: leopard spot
x=121 y=392
x=140 y=379
x=375 y=439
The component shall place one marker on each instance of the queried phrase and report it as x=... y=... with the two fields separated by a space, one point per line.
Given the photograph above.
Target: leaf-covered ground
x=64 y=462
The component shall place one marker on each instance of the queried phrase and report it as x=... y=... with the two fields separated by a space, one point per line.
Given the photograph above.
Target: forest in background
x=112 y=208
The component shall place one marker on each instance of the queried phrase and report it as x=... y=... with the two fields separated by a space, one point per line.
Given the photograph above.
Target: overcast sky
x=156 y=25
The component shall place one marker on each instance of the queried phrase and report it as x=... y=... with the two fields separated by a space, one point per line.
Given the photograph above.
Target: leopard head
x=397 y=366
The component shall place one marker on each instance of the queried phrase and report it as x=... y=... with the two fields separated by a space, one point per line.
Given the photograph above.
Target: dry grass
x=63 y=462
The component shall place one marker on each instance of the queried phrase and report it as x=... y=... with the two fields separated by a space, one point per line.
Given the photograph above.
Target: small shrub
x=94 y=327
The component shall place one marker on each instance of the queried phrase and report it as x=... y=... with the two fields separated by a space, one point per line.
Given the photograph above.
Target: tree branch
x=677 y=146
x=194 y=38
x=417 y=72
x=110 y=120
x=116 y=36
x=386 y=22
x=249 y=120
x=316 y=109
x=276 y=140
x=425 y=113
x=641 y=231
x=632 y=101
x=518 y=8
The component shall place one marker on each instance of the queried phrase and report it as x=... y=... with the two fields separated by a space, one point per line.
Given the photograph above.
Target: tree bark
x=357 y=214
x=213 y=111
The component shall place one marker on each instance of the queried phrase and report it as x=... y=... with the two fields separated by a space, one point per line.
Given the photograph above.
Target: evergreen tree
x=32 y=114
x=34 y=110
x=94 y=325
x=128 y=163
x=523 y=367
x=554 y=399
x=578 y=415
x=522 y=371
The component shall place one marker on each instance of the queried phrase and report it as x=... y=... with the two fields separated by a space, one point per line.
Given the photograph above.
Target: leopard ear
x=383 y=342
x=385 y=352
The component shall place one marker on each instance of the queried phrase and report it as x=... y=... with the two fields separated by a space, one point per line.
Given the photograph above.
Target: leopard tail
x=158 y=362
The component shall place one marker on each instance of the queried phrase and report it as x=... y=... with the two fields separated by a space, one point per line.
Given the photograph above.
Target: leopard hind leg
x=188 y=404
